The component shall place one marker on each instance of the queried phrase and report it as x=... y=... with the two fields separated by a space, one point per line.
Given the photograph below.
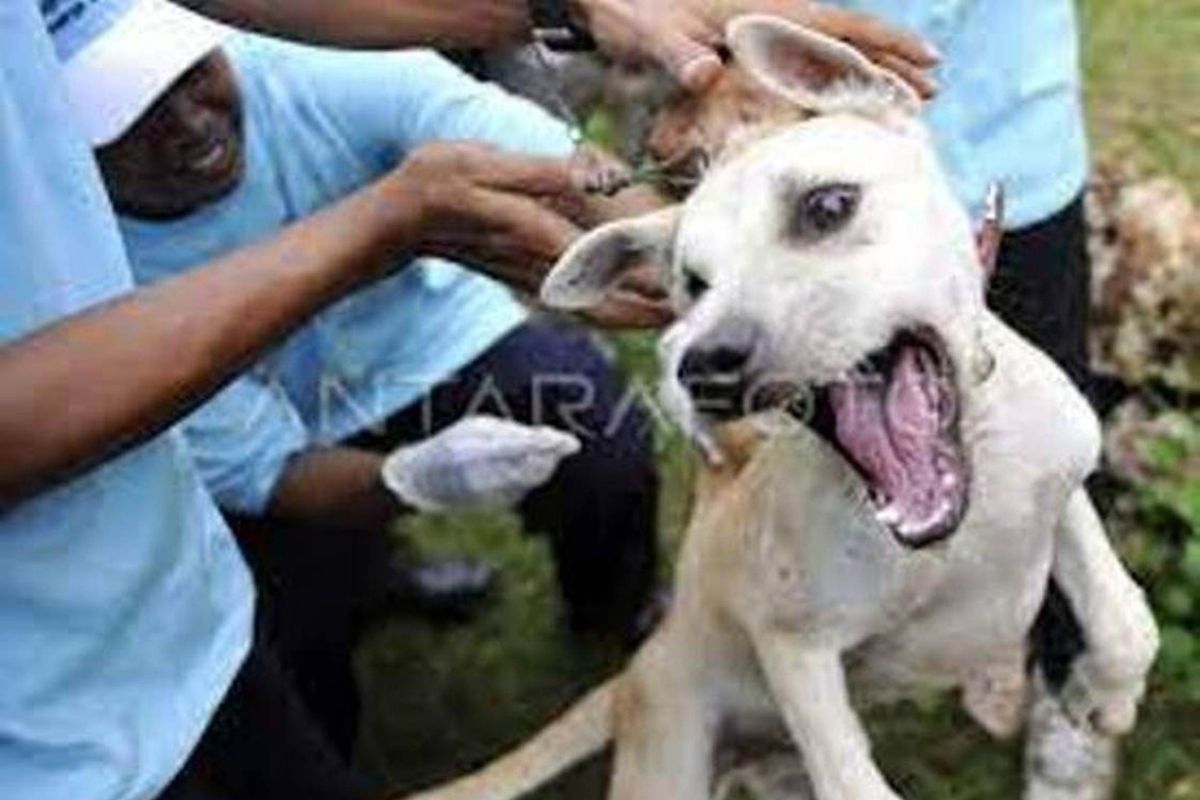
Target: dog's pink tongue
x=890 y=426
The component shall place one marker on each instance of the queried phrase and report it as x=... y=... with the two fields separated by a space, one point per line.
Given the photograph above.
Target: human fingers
x=644 y=280
x=868 y=32
x=916 y=77
x=522 y=240
x=510 y=439
x=525 y=174
x=688 y=56
x=623 y=310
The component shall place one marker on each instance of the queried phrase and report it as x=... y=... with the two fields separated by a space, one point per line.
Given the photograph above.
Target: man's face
x=185 y=151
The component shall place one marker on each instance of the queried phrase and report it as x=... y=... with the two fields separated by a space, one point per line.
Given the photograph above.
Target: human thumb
x=553 y=441
x=694 y=65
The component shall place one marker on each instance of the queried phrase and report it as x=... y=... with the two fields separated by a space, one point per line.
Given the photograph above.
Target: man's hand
x=478 y=462
x=639 y=300
x=684 y=35
x=511 y=217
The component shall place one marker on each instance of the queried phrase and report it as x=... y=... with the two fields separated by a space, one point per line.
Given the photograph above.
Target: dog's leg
x=777 y=777
x=1109 y=677
x=664 y=735
x=1065 y=761
x=1071 y=751
x=810 y=688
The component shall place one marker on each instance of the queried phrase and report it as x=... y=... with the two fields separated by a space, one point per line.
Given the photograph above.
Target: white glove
x=478 y=462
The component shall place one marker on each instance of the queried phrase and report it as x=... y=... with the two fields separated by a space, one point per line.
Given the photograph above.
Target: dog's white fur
x=792 y=599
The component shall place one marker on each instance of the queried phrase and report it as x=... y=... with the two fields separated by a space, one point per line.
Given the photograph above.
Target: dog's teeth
x=889 y=515
x=914 y=529
x=921 y=527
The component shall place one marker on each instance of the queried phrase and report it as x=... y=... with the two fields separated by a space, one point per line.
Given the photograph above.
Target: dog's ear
x=810 y=69
x=597 y=261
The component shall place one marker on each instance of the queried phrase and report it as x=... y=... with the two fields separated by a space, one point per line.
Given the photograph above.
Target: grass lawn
x=441 y=701
x=1142 y=61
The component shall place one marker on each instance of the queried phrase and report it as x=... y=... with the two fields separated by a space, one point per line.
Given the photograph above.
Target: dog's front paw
x=1102 y=699
x=1063 y=760
x=1108 y=680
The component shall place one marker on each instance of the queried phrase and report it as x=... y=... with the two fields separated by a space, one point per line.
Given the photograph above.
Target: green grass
x=1142 y=62
x=439 y=702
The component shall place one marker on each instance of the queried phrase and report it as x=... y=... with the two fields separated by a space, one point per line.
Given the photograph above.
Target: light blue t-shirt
x=1010 y=107
x=125 y=608
x=320 y=124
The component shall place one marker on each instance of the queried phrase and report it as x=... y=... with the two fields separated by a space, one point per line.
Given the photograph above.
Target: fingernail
x=699 y=73
x=932 y=52
x=561 y=440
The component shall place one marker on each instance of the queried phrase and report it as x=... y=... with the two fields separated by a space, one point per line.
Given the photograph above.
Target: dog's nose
x=715 y=370
x=724 y=350
x=701 y=363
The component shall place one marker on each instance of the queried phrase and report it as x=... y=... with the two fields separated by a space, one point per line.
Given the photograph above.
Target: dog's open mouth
x=895 y=419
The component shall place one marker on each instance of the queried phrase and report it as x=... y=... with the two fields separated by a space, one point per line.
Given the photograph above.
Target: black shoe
x=444 y=590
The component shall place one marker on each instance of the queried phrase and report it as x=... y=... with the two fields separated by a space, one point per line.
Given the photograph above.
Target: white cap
x=113 y=78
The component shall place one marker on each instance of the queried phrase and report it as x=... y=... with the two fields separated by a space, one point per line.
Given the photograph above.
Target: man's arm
x=335 y=487
x=380 y=23
x=682 y=36
x=478 y=462
x=340 y=488
x=93 y=384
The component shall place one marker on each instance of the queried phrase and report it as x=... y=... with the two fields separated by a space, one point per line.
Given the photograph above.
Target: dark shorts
x=1041 y=288
x=263 y=743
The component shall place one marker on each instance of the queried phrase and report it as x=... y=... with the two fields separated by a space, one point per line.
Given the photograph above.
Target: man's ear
x=809 y=68
x=598 y=260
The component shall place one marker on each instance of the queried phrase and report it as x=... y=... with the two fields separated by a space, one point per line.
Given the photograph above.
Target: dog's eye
x=822 y=210
x=693 y=284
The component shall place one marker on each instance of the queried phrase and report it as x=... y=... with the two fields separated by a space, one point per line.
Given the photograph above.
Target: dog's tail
x=582 y=730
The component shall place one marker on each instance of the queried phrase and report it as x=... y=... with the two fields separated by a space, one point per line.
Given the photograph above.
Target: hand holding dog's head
x=826 y=254
x=813 y=71
x=832 y=224
x=773 y=82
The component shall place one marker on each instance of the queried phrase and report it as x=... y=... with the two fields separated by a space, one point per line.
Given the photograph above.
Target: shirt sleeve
x=242 y=439
x=437 y=100
x=390 y=102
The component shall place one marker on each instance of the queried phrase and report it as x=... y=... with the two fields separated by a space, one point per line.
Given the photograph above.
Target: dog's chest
x=990 y=585
x=982 y=608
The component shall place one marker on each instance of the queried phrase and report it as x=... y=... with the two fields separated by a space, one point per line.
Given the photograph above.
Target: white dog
x=903 y=539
